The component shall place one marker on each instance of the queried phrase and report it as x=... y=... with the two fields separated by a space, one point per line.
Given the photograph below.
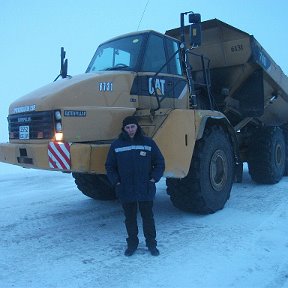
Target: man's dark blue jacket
x=133 y=163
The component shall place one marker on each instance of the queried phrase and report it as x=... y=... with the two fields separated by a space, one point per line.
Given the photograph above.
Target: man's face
x=131 y=129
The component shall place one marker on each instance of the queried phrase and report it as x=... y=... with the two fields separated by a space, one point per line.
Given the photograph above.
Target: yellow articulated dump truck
x=207 y=93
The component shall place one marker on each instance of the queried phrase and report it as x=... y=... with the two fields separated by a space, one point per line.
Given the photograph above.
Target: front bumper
x=88 y=158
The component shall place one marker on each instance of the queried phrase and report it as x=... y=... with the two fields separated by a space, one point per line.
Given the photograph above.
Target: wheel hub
x=278 y=155
x=218 y=170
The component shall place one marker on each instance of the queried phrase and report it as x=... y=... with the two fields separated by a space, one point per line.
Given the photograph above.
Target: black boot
x=130 y=250
x=154 y=251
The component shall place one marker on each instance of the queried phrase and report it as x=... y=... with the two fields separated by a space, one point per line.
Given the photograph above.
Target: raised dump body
x=244 y=78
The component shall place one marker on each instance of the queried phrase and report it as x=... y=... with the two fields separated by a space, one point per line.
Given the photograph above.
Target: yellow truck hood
x=84 y=88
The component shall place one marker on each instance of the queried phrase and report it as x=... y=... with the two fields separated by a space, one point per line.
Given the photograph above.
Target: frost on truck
x=207 y=93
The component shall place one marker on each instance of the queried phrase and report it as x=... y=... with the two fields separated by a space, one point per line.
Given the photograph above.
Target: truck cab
x=156 y=60
x=128 y=73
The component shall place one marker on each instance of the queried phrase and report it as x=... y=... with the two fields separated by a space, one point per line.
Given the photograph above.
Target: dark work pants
x=130 y=211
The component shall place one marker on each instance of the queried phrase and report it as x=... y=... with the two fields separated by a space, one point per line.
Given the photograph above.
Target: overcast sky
x=32 y=33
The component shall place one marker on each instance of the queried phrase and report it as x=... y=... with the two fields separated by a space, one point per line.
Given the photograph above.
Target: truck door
x=158 y=74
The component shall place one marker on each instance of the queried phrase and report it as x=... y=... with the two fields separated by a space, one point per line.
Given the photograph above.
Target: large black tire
x=207 y=186
x=94 y=186
x=267 y=155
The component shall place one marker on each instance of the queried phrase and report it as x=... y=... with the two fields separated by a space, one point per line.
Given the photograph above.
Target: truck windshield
x=120 y=54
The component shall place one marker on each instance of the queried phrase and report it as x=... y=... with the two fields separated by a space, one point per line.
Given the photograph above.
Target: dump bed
x=243 y=75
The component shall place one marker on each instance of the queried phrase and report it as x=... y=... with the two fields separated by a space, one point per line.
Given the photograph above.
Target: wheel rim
x=278 y=155
x=218 y=170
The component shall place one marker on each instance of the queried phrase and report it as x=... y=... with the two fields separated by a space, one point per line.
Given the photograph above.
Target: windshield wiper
x=119 y=66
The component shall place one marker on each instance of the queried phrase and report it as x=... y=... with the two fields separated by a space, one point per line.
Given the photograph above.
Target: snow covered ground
x=53 y=236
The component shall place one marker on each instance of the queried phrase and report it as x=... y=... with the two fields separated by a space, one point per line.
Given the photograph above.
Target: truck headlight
x=58 y=127
x=57 y=115
x=59 y=136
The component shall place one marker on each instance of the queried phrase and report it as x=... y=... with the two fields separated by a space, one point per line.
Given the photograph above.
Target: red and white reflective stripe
x=59 y=155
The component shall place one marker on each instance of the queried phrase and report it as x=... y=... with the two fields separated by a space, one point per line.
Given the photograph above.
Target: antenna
x=143 y=14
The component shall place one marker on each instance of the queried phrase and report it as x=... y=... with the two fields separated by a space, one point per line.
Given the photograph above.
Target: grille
x=41 y=125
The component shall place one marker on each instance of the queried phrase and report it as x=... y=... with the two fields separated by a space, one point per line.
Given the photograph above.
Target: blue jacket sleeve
x=111 y=167
x=158 y=163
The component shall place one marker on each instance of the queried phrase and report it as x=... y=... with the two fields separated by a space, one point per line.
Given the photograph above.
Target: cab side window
x=175 y=63
x=154 y=57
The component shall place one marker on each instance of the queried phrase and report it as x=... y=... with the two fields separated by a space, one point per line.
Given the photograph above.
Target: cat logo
x=159 y=85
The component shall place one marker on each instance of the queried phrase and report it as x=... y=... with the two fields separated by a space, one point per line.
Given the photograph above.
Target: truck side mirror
x=195 y=28
x=195 y=34
x=194 y=18
x=64 y=69
x=64 y=64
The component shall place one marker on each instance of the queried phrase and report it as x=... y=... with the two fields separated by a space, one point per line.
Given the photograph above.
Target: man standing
x=134 y=164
